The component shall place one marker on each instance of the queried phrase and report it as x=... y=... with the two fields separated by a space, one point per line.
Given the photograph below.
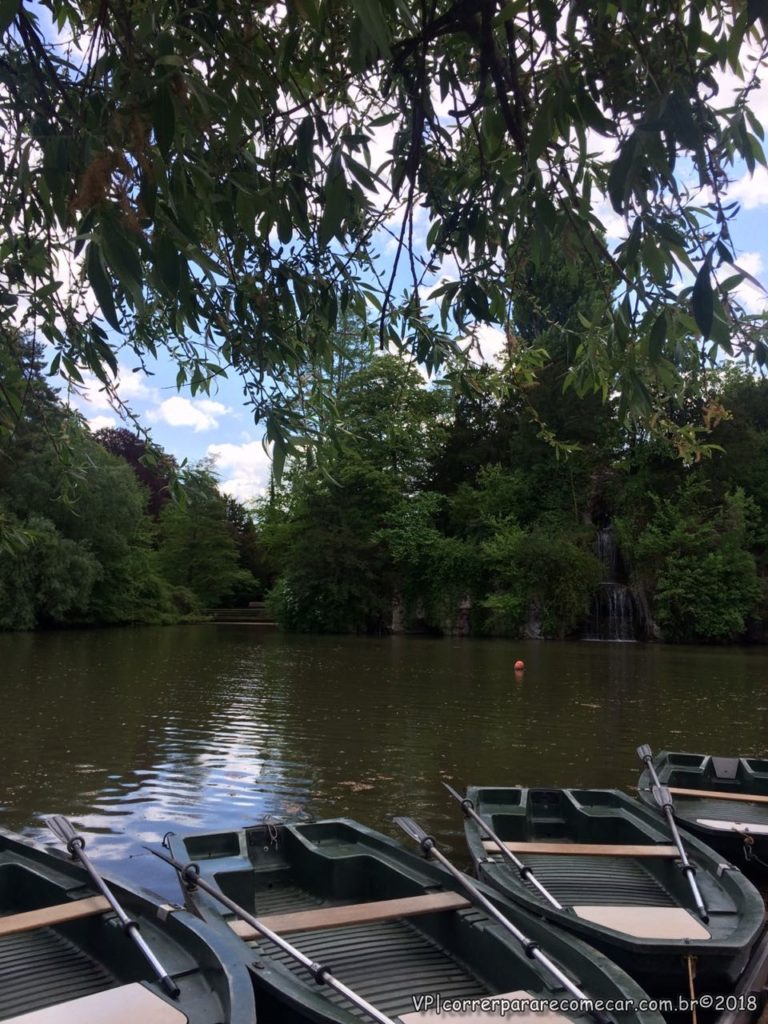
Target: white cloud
x=751 y=190
x=130 y=385
x=245 y=468
x=198 y=413
x=91 y=395
x=100 y=422
x=490 y=341
x=133 y=385
x=615 y=225
x=730 y=84
x=753 y=299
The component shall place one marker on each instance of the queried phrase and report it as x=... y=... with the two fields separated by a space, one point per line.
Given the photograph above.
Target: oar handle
x=75 y=844
x=645 y=754
x=663 y=797
x=532 y=950
x=524 y=871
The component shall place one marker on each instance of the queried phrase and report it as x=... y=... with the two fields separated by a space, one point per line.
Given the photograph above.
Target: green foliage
x=208 y=170
x=706 y=596
x=103 y=514
x=507 y=600
x=48 y=580
x=432 y=573
x=153 y=468
x=742 y=434
x=198 y=551
x=252 y=559
x=437 y=504
x=335 y=575
x=332 y=574
x=77 y=543
x=693 y=560
x=512 y=530
x=548 y=573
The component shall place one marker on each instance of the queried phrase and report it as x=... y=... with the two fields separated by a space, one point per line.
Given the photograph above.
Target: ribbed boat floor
x=41 y=968
x=603 y=880
x=387 y=962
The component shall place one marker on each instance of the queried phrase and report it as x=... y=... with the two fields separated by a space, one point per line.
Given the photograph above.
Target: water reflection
x=133 y=733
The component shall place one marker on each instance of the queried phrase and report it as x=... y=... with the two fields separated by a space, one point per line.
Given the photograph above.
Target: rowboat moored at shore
x=722 y=800
x=65 y=958
x=396 y=928
x=611 y=865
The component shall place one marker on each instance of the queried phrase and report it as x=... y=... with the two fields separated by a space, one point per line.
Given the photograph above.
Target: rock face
x=616 y=613
x=460 y=625
x=533 y=629
x=457 y=624
x=398 y=614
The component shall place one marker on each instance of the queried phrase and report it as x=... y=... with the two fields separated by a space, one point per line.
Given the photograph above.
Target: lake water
x=135 y=732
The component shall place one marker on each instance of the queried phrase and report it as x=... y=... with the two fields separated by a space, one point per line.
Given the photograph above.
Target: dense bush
x=692 y=558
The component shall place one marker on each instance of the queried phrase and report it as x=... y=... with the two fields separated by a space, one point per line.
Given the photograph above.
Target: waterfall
x=614 y=610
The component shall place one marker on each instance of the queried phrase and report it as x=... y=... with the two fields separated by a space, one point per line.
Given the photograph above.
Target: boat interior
x=721 y=793
x=61 y=944
x=389 y=930
x=589 y=851
x=704 y=771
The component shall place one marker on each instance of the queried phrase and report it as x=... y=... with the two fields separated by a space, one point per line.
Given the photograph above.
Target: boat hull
x=60 y=942
x=329 y=870
x=720 y=816
x=627 y=896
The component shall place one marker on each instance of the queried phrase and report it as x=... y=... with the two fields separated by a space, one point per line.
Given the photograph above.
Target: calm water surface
x=133 y=733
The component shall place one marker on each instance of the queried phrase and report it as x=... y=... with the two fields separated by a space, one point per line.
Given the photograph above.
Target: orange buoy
x=519 y=666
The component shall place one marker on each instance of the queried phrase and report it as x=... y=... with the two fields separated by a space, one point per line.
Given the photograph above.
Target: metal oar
x=190 y=874
x=663 y=798
x=75 y=845
x=525 y=872
x=429 y=849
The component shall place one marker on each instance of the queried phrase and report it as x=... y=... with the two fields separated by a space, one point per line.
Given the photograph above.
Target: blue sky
x=221 y=426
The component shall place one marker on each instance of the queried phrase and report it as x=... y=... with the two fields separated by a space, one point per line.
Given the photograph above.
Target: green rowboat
x=611 y=864
x=722 y=800
x=64 y=959
x=395 y=928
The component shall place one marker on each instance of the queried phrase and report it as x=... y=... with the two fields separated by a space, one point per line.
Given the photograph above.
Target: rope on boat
x=748 y=849
x=272 y=827
x=691 y=961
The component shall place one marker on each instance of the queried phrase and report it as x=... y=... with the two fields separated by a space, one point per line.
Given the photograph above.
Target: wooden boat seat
x=599 y=849
x=645 y=922
x=124 y=1005
x=353 y=913
x=486 y=1016
x=733 y=826
x=58 y=914
x=714 y=795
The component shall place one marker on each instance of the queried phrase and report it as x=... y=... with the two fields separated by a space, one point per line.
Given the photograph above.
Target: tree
x=47 y=580
x=198 y=552
x=75 y=543
x=30 y=411
x=692 y=559
x=252 y=557
x=206 y=171
x=331 y=539
x=154 y=468
x=432 y=573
